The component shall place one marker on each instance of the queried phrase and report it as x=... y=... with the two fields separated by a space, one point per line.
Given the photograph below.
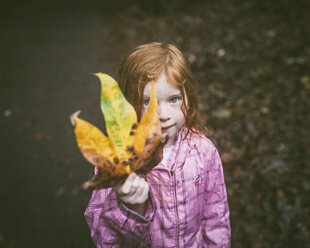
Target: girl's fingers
x=138 y=192
x=135 y=185
x=135 y=192
x=140 y=187
x=144 y=194
x=141 y=194
x=127 y=185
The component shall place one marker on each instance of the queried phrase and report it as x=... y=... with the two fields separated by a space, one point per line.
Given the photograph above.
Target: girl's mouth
x=165 y=128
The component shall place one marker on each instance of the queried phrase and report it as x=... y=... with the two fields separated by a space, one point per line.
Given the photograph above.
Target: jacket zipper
x=176 y=206
x=172 y=173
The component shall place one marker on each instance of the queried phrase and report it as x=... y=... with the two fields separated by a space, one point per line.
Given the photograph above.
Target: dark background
x=251 y=63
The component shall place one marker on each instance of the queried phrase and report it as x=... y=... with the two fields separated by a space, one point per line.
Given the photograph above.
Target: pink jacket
x=187 y=205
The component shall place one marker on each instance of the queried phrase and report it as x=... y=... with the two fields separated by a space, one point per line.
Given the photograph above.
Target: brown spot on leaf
x=130 y=148
x=134 y=126
x=148 y=141
x=125 y=162
x=116 y=160
x=95 y=160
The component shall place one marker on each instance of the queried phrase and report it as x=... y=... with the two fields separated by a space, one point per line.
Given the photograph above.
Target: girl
x=183 y=202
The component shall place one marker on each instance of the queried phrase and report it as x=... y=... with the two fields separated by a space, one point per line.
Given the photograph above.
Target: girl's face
x=169 y=107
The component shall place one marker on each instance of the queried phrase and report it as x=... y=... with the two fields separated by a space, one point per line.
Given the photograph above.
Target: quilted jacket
x=187 y=205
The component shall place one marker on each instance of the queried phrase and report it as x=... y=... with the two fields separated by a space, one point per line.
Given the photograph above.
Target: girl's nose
x=163 y=113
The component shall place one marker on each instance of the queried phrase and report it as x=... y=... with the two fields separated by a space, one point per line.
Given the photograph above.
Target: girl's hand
x=134 y=190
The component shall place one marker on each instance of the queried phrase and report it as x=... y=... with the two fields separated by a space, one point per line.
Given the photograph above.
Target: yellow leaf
x=129 y=147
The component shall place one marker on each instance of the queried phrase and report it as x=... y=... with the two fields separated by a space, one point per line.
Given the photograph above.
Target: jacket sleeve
x=216 y=219
x=112 y=224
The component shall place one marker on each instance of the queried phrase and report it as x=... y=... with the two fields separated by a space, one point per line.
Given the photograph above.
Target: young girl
x=183 y=201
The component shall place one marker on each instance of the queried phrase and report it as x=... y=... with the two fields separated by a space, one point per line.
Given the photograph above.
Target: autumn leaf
x=129 y=147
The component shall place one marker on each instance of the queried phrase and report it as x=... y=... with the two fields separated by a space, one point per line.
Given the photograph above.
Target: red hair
x=146 y=63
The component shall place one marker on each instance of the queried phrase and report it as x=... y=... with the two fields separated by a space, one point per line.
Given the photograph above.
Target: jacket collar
x=179 y=150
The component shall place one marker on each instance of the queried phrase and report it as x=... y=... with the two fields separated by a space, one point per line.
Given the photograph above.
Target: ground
x=251 y=63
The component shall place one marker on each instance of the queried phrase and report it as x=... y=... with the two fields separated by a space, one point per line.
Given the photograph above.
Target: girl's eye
x=146 y=102
x=174 y=99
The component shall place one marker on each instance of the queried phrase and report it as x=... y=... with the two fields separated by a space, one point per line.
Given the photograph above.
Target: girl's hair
x=146 y=63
